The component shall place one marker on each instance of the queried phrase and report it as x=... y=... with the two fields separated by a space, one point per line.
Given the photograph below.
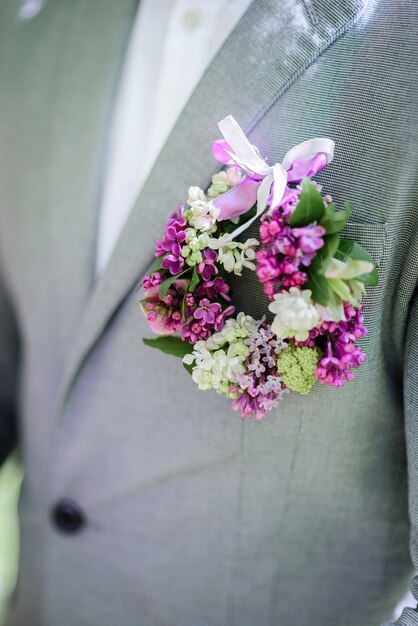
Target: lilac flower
x=207 y=267
x=190 y=300
x=289 y=201
x=207 y=311
x=221 y=318
x=194 y=331
x=310 y=238
x=171 y=241
x=214 y=288
x=260 y=388
x=337 y=340
x=285 y=253
x=208 y=317
x=173 y=263
x=177 y=219
x=152 y=281
x=170 y=246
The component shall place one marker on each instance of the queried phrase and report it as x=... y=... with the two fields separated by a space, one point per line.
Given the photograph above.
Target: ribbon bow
x=264 y=181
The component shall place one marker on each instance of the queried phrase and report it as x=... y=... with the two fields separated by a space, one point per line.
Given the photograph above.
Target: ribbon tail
x=306 y=150
x=306 y=169
x=263 y=193
x=237 y=200
x=279 y=185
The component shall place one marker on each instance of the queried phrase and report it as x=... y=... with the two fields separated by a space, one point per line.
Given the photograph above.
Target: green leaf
x=371 y=278
x=348 y=249
x=173 y=346
x=183 y=307
x=318 y=284
x=325 y=254
x=310 y=207
x=165 y=286
x=194 y=280
x=156 y=265
x=344 y=249
x=334 y=221
x=170 y=345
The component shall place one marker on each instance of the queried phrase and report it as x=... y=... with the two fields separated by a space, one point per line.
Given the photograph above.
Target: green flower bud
x=238 y=348
x=187 y=215
x=219 y=185
x=297 y=366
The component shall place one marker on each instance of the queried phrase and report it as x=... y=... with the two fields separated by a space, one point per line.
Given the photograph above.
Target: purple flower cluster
x=260 y=387
x=170 y=247
x=289 y=201
x=196 y=316
x=206 y=317
x=285 y=253
x=338 y=344
x=171 y=243
x=207 y=267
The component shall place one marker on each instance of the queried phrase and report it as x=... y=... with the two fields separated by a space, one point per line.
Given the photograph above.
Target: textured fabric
x=195 y=517
x=158 y=76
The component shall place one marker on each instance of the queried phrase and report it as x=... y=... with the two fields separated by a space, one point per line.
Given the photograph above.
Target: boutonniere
x=314 y=279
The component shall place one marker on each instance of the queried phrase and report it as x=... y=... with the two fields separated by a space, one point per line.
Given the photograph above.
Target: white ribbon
x=248 y=158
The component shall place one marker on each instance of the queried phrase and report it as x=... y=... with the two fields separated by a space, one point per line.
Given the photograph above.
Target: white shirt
x=171 y=44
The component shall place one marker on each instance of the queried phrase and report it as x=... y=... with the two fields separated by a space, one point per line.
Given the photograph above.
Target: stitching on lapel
x=336 y=35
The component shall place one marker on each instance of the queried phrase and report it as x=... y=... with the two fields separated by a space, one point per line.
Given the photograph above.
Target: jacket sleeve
x=409 y=616
x=9 y=359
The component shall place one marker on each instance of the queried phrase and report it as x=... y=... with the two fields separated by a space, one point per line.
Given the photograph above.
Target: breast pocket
x=373 y=237
x=370 y=235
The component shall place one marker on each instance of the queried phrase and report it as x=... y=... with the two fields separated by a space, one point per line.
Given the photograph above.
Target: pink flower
x=310 y=237
x=207 y=267
x=337 y=341
x=207 y=311
x=285 y=253
x=152 y=281
x=214 y=288
x=172 y=240
x=173 y=263
x=165 y=316
x=221 y=318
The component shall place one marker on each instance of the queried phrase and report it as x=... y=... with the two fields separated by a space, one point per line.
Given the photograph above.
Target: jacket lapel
x=272 y=44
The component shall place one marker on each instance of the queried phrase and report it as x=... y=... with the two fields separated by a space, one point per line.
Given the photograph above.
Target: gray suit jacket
x=194 y=517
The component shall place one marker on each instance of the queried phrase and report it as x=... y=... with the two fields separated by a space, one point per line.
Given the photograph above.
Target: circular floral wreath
x=314 y=279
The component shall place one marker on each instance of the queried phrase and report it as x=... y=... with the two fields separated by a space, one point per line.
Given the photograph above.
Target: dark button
x=68 y=517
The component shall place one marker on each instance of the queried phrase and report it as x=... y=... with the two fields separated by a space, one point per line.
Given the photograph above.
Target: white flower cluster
x=233 y=255
x=202 y=214
x=295 y=314
x=219 y=359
